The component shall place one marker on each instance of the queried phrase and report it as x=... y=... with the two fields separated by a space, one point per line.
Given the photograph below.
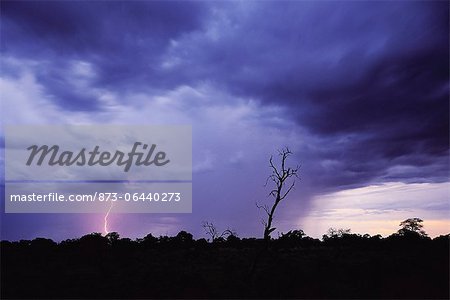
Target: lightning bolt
x=106 y=218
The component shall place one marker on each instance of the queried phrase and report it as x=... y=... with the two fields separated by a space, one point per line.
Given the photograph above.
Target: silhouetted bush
x=343 y=265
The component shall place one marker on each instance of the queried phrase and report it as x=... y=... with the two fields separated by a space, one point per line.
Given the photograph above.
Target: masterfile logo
x=98 y=152
x=139 y=168
x=83 y=157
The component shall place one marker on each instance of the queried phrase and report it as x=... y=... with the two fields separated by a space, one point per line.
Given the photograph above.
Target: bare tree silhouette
x=213 y=232
x=280 y=177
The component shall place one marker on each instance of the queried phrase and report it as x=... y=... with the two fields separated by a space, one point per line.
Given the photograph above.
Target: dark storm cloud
x=399 y=113
x=367 y=80
x=123 y=41
x=370 y=79
x=94 y=28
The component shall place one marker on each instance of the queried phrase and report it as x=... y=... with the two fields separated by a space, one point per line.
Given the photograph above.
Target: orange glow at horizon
x=379 y=209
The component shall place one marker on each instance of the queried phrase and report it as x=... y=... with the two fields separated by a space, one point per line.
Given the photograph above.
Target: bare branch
x=211 y=230
x=274 y=169
x=264 y=207
x=287 y=192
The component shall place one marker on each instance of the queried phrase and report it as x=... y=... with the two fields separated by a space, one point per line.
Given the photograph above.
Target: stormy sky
x=359 y=91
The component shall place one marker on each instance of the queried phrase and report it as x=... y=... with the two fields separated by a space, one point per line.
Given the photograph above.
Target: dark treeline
x=406 y=264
